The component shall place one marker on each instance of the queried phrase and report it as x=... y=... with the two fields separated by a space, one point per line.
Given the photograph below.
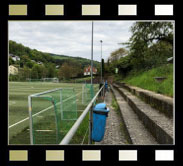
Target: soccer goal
x=51 y=113
x=56 y=80
x=33 y=80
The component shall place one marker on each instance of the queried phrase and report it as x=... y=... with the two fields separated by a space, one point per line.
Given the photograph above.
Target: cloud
x=72 y=38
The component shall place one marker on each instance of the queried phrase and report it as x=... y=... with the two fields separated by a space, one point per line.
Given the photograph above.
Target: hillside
x=59 y=59
x=34 y=64
x=32 y=54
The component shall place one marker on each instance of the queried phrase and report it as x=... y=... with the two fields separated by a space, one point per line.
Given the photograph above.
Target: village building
x=13 y=70
x=87 y=71
x=14 y=57
x=170 y=60
x=39 y=63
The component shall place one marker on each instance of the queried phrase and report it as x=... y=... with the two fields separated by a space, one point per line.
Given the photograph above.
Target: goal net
x=50 y=80
x=56 y=80
x=33 y=80
x=51 y=113
x=87 y=93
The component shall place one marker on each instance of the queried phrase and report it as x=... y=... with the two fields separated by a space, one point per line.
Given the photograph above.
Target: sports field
x=19 y=115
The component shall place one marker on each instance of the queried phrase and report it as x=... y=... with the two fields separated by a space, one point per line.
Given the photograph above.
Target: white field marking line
x=41 y=111
x=63 y=131
x=42 y=130
x=85 y=136
x=11 y=103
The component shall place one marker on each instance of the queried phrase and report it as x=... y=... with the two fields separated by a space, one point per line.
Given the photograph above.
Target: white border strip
x=127 y=155
x=127 y=10
x=164 y=155
x=163 y=10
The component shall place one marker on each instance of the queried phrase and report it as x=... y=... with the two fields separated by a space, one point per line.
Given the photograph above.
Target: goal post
x=51 y=114
x=54 y=80
x=33 y=80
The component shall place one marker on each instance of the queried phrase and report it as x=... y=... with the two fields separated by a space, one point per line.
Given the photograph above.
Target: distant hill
x=33 y=54
x=64 y=58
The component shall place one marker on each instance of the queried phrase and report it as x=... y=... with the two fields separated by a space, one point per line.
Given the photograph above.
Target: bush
x=157 y=54
x=13 y=77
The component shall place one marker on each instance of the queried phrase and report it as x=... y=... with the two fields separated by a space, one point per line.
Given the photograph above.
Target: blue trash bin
x=100 y=112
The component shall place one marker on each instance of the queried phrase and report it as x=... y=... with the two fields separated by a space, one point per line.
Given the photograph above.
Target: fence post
x=90 y=124
x=104 y=91
x=61 y=104
x=83 y=94
x=30 y=117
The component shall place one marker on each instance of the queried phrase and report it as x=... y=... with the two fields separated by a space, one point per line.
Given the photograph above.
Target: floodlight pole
x=101 y=60
x=92 y=56
x=90 y=116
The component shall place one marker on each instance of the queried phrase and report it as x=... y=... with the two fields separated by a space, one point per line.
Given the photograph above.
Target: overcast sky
x=72 y=38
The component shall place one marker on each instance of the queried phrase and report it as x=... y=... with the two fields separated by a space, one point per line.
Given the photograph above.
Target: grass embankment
x=146 y=80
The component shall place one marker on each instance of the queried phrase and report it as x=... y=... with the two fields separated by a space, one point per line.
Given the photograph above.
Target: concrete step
x=136 y=131
x=159 y=125
x=158 y=101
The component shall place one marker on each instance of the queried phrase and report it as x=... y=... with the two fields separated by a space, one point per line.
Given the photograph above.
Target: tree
x=36 y=72
x=51 y=70
x=117 y=54
x=24 y=60
x=158 y=53
x=124 y=65
x=70 y=69
x=11 y=61
x=26 y=73
x=150 y=32
x=29 y=64
x=44 y=71
x=144 y=36
x=65 y=71
x=114 y=60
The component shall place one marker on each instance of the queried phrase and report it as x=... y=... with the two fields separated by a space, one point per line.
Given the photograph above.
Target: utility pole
x=101 y=60
x=92 y=56
x=90 y=116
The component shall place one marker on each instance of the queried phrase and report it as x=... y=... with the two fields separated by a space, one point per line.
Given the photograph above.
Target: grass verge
x=146 y=80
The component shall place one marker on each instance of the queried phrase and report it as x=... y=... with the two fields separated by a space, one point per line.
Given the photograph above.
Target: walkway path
x=113 y=134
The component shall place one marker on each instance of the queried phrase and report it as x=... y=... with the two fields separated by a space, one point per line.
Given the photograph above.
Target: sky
x=71 y=38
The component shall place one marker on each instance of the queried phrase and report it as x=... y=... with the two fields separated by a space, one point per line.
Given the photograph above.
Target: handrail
x=74 y=128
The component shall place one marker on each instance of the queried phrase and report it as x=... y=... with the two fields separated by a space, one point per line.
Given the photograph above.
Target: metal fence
x=76 y=125
x=51 y=113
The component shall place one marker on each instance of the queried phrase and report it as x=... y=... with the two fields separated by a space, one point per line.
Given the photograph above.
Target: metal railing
x=76 y=125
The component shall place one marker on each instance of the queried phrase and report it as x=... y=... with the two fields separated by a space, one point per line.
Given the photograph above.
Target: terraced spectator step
x=137 y=133
x=158 y=101
x=115 y=134
x=159 y=125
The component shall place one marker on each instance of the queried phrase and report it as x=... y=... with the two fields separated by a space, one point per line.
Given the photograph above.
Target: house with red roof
x=87 y=71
